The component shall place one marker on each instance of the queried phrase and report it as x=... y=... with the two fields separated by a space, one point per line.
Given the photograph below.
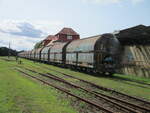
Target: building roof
x=51 y=37
x=135 y=31
x=136 y=34
x=68 y=31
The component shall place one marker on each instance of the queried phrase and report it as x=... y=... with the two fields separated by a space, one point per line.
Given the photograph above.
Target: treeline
x=4 y=51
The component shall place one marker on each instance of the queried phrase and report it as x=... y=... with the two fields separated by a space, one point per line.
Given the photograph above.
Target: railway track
x=92 y=103
x=123 y=96
x=102 y=88
x=135 y=81
x=117 y=104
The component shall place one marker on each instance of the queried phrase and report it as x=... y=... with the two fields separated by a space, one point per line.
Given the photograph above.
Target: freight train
x=98 y=54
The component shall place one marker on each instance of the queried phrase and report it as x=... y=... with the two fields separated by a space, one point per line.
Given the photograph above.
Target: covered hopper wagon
x=97 y=54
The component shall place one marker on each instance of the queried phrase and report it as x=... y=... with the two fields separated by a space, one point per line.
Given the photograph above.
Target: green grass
x=118 y=82
x=20 y=94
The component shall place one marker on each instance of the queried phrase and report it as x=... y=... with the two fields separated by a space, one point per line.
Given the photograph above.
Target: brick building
x=66 y=34
x=49 y=39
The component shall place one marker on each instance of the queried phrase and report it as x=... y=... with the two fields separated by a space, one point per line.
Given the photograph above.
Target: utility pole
x=9 y=50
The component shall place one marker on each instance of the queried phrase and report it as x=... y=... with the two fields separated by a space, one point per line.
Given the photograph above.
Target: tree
x=4 y=51
x=38 y=45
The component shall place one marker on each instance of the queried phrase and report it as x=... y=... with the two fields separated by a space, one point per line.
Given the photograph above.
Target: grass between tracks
x=19 y=94
x=124 y=83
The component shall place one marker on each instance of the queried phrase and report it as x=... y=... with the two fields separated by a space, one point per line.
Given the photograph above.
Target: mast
x=9 y=50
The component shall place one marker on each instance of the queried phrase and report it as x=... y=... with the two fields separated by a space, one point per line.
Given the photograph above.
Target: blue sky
x=25 y=22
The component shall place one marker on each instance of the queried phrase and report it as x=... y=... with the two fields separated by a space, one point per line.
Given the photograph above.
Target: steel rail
x=67 y=92
x=103 y=88
x=105 y=97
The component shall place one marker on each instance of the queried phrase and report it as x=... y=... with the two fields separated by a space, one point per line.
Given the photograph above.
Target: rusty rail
x=67 y=92
x=101 y=87
x=100 y=95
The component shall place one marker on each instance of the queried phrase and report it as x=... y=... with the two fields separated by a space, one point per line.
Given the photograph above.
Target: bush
x=4 y=51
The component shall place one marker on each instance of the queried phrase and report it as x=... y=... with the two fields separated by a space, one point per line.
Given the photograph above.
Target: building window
x=69 y=37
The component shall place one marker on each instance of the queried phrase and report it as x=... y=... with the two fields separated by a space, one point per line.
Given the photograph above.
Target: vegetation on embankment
x=20 y=94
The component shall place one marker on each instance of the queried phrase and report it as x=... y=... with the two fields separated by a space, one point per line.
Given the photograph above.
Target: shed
x=135 y=35
x=135 y=58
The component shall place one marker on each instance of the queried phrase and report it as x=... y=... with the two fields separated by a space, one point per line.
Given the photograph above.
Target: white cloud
x=136 y=1
x=18 y=43
x=102 y=1
x=9 y=25
x=25 y=42
x=112 y=1
x=23 y=27
x=49 y=27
